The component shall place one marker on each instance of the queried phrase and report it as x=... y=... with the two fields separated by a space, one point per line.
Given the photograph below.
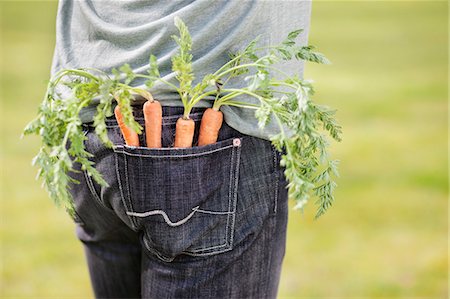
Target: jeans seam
x=127 y=182
x=230 y=194
x=236 y=182
x=277 y=178
x=273 y=223
x=91 y=186
x=94 y=194
x=122 y=195
x=154 y=251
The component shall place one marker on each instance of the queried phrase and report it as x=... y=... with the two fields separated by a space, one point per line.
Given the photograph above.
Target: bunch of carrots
x=260 y=87
x=211 y=121
x=209 y=129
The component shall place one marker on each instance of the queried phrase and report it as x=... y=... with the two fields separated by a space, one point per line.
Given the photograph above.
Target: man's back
x=108 y=34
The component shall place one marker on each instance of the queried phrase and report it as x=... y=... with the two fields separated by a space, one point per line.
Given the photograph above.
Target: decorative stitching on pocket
x=193 y=253
x=166 y=218
x=213 y=212
x=231 y=213
x=207 y=248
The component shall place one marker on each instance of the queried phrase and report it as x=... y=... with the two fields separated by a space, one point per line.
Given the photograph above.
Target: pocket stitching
x=231 y=212
x=123 y=150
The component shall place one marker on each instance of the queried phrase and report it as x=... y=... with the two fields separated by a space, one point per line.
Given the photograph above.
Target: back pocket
x=183 y=201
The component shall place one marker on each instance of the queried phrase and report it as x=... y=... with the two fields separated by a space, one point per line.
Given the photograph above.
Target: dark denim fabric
x=202 y=222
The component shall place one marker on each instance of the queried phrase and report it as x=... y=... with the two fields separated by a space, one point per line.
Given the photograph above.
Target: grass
x=386 y=235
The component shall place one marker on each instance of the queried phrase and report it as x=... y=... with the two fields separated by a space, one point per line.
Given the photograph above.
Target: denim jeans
x=200 y=222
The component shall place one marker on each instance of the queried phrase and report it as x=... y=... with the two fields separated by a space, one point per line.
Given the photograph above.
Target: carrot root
x=153 y=123
x=209 y=128
x=184 y=132
x=130 y=136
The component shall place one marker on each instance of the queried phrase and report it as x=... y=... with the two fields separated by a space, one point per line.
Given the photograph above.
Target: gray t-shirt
x=106 y=34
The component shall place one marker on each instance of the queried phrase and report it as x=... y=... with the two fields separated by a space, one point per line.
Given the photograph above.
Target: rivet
x=237 y=142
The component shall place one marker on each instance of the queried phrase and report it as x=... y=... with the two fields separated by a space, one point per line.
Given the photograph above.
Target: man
x=205 y=222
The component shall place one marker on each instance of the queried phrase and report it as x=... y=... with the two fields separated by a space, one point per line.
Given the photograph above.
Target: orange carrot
x=153 y=123
x=130 y=136
x=209 y=128
x=184 y=132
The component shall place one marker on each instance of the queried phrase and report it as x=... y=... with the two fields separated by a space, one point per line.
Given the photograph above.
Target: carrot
x=153 y=123
x=184 y=132
x=130 y=136
x=209 y=128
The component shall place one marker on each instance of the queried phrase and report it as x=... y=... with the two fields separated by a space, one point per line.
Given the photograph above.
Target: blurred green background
x=386 y=235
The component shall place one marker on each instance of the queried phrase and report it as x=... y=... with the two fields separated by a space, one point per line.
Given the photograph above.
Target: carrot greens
x=61 y=129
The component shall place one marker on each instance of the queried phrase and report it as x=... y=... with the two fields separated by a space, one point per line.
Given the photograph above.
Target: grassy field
x=386 y=236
